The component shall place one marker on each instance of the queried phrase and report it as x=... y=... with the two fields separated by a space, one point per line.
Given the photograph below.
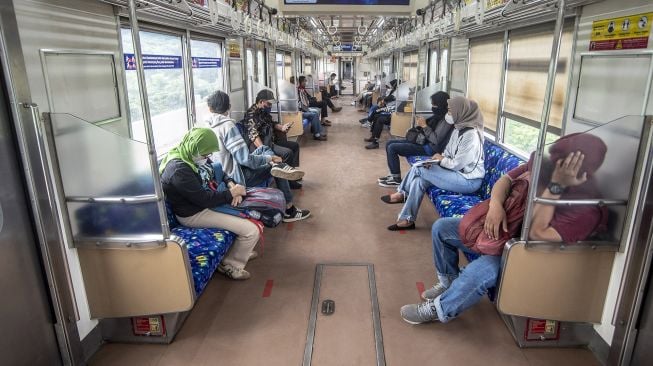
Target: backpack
x=263 y=204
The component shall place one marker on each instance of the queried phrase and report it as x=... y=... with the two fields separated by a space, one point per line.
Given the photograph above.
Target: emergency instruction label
x=624 y=33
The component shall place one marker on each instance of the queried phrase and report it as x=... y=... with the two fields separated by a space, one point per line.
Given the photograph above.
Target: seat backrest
x=172 y=219
x=497 y=163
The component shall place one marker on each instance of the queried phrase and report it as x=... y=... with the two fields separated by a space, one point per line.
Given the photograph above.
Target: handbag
x=471 y=226
x=416 y=135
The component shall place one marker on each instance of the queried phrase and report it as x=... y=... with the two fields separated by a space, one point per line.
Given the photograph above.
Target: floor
x=263 y=321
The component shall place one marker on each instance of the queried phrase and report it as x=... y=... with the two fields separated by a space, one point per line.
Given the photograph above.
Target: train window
x=484 y=80
x=287 y=66
x=410 y=66
x=166 y=91
x=308 y=66
x=207 y=74
x=249 y=59
x=528 y=66
x=260 y=65
x=444 y=69
x=387 y=65
x=433 y=67
x=280 y=68
x=458 y=76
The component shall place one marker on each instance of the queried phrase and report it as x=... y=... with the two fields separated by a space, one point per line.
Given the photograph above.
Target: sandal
x=395 y=227
x=388 y=200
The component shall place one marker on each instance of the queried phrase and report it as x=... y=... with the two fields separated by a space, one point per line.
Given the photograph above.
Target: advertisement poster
x=622 y=33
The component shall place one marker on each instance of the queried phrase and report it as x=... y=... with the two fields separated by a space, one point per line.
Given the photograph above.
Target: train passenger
x=434 y=137
x=333 y=92
x=250 y=169
x=308 y=100
x=459 y=169
x=313 y=116
x=262 y=130
x=566 y=174
x=365 y=97
x=182 y=184
x=389 y=100
x=381 y=117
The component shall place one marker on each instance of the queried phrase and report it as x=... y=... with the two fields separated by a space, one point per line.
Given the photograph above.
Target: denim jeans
x=465 y=287
x=396 y=148
x=420 y=179
x=314 y=119
x=370 y=113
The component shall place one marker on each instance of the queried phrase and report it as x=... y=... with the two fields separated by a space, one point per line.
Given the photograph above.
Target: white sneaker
x=253 y=255
x=366 y=124
x=285 y=171
x=233 y=272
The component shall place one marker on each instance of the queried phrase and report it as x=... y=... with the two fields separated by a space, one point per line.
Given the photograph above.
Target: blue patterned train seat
x=206 y=248
x=451 y=204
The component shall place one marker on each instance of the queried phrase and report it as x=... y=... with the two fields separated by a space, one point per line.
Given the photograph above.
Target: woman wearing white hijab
x=460 y=168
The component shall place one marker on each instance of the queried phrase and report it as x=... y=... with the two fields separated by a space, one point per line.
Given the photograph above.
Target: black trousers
x=322 y=105
x=327 y=99
x=379 y=121
x=288 y=151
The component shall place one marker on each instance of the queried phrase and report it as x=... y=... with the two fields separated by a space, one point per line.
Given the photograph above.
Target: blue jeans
x=396 y=148
x=420 y=179
x=314 y=119
x=466 y=286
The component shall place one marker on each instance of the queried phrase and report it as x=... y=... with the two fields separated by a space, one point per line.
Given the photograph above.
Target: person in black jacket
x=436 y=131
x=189 y=191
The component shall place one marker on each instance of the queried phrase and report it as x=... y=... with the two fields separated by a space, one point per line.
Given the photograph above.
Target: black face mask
x=435 y=109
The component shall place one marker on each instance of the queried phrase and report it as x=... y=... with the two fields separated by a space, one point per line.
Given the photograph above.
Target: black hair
x=218 y=102
x=292 y=79
x=302 y=79
x=333 y=74
x=264 y=94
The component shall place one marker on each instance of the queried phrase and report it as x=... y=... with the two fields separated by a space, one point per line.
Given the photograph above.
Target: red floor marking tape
x=267 y=291
x=301 y=192
x=420 y=288
x=289 y=226
x=402 y=231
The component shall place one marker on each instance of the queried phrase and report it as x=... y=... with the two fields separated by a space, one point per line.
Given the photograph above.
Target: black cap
x=265 y=95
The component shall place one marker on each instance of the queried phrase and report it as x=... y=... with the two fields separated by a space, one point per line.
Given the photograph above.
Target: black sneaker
x=294 y=184
x=390 y=182
x=384 y=178
x=363 y=120
x=294 y=214
x=372 y=145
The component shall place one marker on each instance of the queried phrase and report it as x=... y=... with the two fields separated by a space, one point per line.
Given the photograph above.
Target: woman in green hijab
x=184 y=179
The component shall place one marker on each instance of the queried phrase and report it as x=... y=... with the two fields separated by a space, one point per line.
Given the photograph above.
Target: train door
x=260 y=66
x=280 y=68
x=347 y=76
x=208 y=75
x=26 y=316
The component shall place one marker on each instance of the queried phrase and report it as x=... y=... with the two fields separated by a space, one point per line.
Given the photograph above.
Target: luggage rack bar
x=584 y=202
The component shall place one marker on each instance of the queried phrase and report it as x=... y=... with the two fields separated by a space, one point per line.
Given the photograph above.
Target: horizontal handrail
x=122 y=240
x=115 y=199
x=610 y=246
x=584 y=202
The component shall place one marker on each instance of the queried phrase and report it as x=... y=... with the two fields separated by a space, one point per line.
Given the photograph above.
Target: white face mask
x=449 y=119
x=199 y=161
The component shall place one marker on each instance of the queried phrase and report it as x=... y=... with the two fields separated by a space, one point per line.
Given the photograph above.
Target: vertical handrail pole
x=147 y=121
x=546 y=111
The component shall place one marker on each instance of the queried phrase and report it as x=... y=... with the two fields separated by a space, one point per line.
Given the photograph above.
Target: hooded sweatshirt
x=235 y=151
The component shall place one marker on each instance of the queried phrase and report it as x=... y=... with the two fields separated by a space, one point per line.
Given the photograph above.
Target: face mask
x=267 y=109
x=199 y=161
x=449 y=119
x=434 y=109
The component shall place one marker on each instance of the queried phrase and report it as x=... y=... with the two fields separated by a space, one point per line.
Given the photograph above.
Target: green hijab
x=197 y=142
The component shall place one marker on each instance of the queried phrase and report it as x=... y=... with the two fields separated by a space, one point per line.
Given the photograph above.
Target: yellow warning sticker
x=629 y=32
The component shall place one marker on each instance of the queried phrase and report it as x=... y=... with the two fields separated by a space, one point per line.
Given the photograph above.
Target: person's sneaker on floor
x=338 y=109
x=363 y=120
x=294 y=184
x=233 y=272
x=319 y=138
x=294 y=214
x=373 y=145
x=390 y=182
x=369 y=139
x=366 y=124
x=434 y=292
x=253 y=255
x=384 y=178
x=285 y=171
x=419 y=313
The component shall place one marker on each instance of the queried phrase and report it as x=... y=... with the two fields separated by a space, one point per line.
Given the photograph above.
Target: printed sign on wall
x=206 y=63
x=621 y=33
x=233 y=47
x=153 y=62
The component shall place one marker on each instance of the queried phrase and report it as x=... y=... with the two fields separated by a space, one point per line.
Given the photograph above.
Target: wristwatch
x=555 y=188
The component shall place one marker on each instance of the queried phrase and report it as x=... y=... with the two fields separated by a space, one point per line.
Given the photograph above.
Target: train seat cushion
x=206 y=248
x=451 y=204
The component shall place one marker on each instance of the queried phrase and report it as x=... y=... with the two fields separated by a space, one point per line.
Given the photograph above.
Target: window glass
x=528 y=68
x=484 y=80
x=287 y=65
x=207 y=74
x=250 y=64
x=433 y=67
x=279 y=62
x=164 y=78
x=444 y=68
x=523 y=137
x=260 y=65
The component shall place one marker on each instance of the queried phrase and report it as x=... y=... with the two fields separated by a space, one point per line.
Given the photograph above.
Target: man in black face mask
x=435 y=136
x=261 y=129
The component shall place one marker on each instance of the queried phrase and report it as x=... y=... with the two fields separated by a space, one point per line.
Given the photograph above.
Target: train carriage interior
x=474 y=182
